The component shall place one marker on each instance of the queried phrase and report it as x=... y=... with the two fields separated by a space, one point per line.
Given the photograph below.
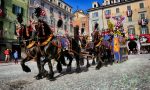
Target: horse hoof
x=38 y=77
x=88 y=65
x=68 y=69
x=97 y=68
x=78 y=70
x=26 y=69
x=45 y=73
x=51 y=76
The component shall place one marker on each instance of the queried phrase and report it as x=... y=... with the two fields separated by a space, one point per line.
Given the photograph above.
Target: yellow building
x=80 y=20
x=135 y=22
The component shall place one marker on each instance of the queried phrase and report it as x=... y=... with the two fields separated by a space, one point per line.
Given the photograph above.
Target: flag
x=129 y=13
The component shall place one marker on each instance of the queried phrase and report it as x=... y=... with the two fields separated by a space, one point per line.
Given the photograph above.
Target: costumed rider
x=63 y=40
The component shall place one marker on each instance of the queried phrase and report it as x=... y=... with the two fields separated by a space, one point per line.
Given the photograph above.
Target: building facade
x=56 y=11
x=8 y=14
x=136 y=15
x=81 y=20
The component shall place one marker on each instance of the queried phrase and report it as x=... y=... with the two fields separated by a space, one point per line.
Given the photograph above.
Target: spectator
x=7 y=55
x=15 y=54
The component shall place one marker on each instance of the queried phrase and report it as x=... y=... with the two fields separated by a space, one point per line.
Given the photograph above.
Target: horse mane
x=47 y=29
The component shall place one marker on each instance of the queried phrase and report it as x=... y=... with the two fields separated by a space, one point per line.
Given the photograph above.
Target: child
x=15 y=57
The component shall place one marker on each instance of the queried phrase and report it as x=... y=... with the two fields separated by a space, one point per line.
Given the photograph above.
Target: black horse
x=76 y=50
x=37 y=51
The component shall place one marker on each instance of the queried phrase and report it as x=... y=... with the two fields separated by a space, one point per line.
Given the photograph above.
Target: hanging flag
x=129 y=13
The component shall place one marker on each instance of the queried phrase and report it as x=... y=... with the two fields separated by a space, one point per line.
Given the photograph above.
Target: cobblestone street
x=133 y=74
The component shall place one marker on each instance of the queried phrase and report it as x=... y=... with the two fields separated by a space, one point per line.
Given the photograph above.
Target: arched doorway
x=132 y=46
x=76 y=30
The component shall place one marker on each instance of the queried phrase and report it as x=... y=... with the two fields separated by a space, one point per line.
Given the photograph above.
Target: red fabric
x=30 y=28
x=147 y=36
x=6 y=52
x=1 y=12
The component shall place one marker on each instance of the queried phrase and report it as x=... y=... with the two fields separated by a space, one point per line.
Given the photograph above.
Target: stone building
x=135 y=12
x=81 y=20
x=56 y=11
x=8 y=14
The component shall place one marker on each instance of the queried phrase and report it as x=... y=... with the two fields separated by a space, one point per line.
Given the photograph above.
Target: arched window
x=94 y=5
x=144 y=30
x=131 y=30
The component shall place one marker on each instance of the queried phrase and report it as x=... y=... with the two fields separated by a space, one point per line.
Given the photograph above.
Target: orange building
x=81 y=23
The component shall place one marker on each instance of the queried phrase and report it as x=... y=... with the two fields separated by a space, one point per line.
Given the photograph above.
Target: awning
x=145 y=44
x=145 y=38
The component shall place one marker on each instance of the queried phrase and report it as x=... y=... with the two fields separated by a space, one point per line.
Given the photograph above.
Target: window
x=65 y=16
x=141 y=5
x=95 y=14
x=70 y=10
x=131 y=30
x=65 y=27
x=144 y=30
x=128 y=7
x=82 y=31
x=142 y=16
x=59 y=14
x=16 y=10
x=1 y=29
x=51 y=10
x=94 y=5
x=65 y=7
x=130 y=19
x=122 y=0
x=0 y=2
x=107 y=12
x=117 y=10
x=106 y=2
x=32 y=2
x=83 y=24
x=71 y=28
x=116 y=1
x=42 y=4
x=111 y=1
x=58 y=3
